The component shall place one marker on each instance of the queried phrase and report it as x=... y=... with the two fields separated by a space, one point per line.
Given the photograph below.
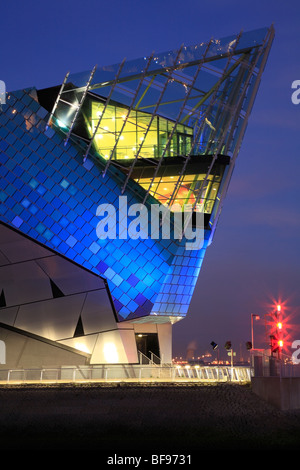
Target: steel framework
x=210 y=87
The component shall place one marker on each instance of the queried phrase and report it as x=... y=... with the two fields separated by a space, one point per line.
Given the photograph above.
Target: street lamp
x=215 y=346
x=257 y=317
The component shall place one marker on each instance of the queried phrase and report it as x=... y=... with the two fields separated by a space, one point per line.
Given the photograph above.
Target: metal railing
x=127 y=372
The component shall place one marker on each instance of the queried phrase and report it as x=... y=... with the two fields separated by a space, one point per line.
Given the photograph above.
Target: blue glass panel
x=71 y=241
x=17 y=221
x=94 y=247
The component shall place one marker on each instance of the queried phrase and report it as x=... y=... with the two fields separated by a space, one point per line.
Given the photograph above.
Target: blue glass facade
x=48 y=193
x=54 y=176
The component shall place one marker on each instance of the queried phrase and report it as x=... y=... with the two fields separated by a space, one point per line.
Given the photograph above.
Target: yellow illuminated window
x=187 y=192
x=129 y=134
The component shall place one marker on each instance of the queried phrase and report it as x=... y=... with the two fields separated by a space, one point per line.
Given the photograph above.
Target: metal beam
x=128 y=112
x=104 y=109
x=145 y=91
x=168 y=68
x=267 y=45
x=197 y=135
x=80 y=104
x=241 y=98
x=57 y=100
x=152 y=117
x=216 y=86
x=191 y=87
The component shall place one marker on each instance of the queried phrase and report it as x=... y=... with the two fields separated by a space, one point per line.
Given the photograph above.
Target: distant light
x=278 y=308
x=279 y=325
x=280 y=343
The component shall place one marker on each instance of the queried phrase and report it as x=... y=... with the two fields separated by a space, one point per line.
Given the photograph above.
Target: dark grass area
x=153 y=418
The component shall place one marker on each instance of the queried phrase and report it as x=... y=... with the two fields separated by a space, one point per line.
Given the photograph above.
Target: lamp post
x=215 y=346
x=253 y=315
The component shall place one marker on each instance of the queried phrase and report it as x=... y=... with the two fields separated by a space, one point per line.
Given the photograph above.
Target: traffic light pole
x=276 y=342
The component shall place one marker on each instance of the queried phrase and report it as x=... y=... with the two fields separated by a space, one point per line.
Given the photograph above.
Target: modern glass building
x=80 y=282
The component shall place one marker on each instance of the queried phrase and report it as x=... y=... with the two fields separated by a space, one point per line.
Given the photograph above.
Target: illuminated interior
x=125 y=136
x=162 y=189
x=126 y=142
x=164 y=120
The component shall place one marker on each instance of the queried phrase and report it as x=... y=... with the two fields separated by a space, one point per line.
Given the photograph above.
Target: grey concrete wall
x=284 y=393
x=29 y=351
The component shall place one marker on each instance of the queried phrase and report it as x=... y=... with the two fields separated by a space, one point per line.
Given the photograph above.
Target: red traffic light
x=276 y=343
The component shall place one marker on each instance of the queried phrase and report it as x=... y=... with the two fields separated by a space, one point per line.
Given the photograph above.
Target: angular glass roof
x=207 y=90
x=189 y=55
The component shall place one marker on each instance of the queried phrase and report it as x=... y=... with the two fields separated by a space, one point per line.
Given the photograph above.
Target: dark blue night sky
x=254 y=261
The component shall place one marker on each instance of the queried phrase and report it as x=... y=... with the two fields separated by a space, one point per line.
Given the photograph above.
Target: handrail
x=127 y=372
x=142 y=357
x=155 y=359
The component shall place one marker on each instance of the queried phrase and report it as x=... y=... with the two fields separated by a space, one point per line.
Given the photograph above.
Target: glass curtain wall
x=190 y=102
x=126 y=144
